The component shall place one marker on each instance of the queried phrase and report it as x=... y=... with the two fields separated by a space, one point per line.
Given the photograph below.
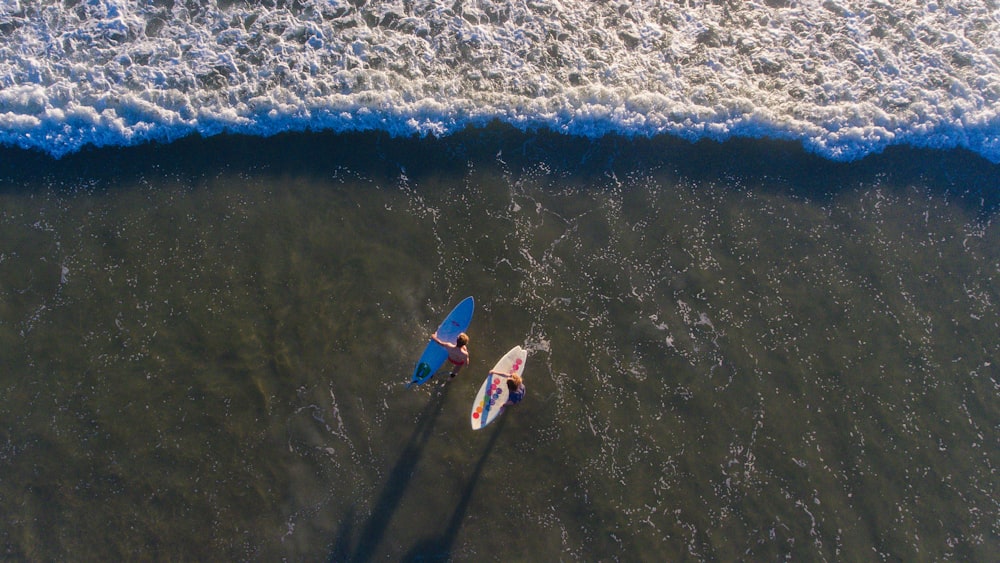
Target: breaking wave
x=844 y=78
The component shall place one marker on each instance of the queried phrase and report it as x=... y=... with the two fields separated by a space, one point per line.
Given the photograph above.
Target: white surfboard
x=493 y=393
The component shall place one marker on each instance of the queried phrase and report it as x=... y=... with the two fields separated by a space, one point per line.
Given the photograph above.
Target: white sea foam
x=844 y=77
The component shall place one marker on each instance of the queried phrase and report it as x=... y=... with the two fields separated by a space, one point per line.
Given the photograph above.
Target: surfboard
x=493 y=393
x=434 y=354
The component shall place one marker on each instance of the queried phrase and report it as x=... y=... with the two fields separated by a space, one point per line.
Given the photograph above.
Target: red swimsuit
x=454 y=362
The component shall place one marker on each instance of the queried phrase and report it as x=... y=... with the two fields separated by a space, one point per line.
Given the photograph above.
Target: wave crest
x=844 y=78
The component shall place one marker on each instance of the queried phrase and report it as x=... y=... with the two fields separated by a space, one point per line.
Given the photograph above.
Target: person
x=458 y=353
x=515 y=387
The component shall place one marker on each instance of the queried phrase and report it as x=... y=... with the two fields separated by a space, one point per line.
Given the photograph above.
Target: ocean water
x=751 y=248
x=736 y=351
x=844 y=78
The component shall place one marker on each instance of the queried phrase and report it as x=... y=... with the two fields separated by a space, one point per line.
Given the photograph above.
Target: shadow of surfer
x=439 y=547
x=395 y=487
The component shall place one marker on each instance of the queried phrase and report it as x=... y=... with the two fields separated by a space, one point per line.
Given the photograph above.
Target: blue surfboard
x=434 y=354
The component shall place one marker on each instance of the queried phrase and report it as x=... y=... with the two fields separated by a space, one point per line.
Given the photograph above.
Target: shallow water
x=735 y=351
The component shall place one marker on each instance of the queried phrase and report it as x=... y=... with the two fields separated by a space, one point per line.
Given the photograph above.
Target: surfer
x=458 y=353
x=515 y=386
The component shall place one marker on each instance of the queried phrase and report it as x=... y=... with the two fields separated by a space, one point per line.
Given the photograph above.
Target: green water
x=735 y=352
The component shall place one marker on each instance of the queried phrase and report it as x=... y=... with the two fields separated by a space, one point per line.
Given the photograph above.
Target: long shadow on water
x=438 y=548
x=395 y=487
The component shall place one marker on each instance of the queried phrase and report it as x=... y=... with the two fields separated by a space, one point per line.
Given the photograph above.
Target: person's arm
x=435 y=338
